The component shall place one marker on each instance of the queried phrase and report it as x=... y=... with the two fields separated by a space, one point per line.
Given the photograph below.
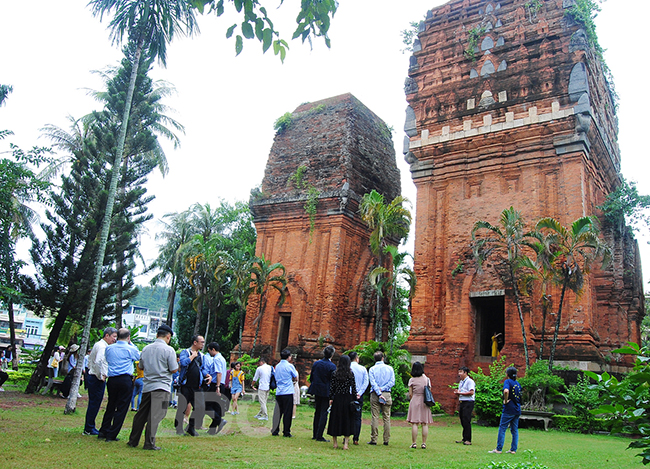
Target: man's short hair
x=353 y=355
x=511 y=372
x=213 y=346
x=109 y=331
x=286 y=353
x=195 y=338
x=378 y=356
x=464 y=368
x=262 y=360
x=328 y=351
x=123 y=334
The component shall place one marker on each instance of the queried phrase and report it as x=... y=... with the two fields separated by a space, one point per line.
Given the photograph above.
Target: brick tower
x=332 y=152
x=508 y=106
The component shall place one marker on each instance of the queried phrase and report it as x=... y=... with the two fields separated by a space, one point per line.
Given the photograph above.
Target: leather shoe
x=323 y=440
x=385 y=443
x=153 y=448
x=128 y=443
x=192 y=432
x=288 y=436
x=112 y=439
x=372 y=443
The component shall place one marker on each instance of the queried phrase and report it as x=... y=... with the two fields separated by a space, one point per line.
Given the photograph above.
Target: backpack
x=273 y=384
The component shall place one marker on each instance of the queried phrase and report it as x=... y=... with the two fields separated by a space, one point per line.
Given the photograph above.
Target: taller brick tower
x=509 y=106
x=332 y=153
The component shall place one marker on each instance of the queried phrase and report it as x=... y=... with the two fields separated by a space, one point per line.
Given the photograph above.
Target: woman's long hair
x=343 y=370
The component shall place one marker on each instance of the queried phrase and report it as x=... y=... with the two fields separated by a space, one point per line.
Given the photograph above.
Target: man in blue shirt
x=319 y=379
x=190 y=379
x=382 y=380
x=120 y=357
x=285 y=376
x=361 y=381
x=510 y=413
x=212 y=371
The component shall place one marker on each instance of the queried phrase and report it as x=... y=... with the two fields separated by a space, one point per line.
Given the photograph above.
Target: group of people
x=338 y=392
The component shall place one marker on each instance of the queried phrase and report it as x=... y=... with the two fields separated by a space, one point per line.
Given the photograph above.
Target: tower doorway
x=490 y=320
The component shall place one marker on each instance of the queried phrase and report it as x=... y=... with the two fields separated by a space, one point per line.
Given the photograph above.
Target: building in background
x=148 y=321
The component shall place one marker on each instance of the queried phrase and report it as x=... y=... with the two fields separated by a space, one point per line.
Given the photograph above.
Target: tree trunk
x=259 y=320
x=199 y=310
x=41 y=367
x=118 y=295
x=171 y=298
x=378 y=309
x=242 y=316
x=521 y=315
x=71 y=405
x=545 y=302
x=557 y=326
x=12 y=335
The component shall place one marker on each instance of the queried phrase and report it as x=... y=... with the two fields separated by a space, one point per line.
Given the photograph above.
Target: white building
x=148 y=321
x=30 y=329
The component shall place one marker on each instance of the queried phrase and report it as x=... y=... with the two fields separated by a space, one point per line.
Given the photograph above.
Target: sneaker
x=92 y=432
x=263 y=418
x=2 y=389
x=221 y=425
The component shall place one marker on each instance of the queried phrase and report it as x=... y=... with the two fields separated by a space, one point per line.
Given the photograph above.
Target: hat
x=166 y=329
x=74 y=348
x=61 y=347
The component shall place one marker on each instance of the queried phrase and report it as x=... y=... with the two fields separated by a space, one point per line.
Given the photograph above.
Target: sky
x=228 y=104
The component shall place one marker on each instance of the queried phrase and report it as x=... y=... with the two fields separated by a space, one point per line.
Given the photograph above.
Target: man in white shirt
x=466 y=390
x=263 y=377
x=361 y=382
x=97 y=374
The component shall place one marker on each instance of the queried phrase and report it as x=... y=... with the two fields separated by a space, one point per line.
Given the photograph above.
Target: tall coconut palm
x=263 y=277
x=506 y=241
x=150 y=25
x=175 y=233
x=574 y=250
x=387 y=222
x=240 y=285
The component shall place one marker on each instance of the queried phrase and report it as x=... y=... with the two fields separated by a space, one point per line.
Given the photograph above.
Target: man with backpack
x=511 y=412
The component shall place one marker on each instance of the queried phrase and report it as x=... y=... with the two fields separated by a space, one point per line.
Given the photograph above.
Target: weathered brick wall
x=347 y=152
x=525 y=119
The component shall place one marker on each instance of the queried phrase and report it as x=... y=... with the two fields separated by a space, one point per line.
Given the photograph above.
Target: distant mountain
x=153 y=298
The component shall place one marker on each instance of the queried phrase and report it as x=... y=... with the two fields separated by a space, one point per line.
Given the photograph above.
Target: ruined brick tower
x=332 y=153
x=508 y=106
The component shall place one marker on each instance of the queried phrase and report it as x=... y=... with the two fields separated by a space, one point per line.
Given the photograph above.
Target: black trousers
x=356 y=422
x=193 y=396
x=152 y=411
x=212 y=404
x=465 y=414
x=283 y=410
x=320 y=416
x=120 y=389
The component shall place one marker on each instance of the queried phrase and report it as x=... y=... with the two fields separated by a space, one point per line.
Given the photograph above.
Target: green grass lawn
x=36 y=434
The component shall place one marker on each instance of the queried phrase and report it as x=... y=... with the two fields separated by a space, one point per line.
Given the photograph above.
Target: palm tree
x=262 y=279
x=387 y=221
x=174 y=235
x=150 y=25
x=573 y=251
x=384 y=279
x=506 y=241
x=240 y=285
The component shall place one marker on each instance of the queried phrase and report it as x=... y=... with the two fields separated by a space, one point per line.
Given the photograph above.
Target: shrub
x=538 y=384
x=571 y=423
x=283 y=122
x=516 y=465
x=489 y=391
x=584 y=399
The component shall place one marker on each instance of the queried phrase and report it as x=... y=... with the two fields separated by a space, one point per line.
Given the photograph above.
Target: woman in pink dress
x=419 y=413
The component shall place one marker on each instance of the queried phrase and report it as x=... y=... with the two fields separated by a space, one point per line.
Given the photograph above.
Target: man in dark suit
x=321 y=374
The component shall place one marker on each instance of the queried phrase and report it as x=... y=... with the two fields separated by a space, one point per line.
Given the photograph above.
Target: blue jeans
x=137 y=393
x=512 y=421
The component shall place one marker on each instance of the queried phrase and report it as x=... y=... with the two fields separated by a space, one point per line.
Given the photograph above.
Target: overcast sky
x=228 y=104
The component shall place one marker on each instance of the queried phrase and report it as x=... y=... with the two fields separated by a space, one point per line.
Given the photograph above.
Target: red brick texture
x=535 y=129
x=347 y=151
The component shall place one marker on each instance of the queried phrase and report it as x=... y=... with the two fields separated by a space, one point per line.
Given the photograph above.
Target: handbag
x=428 y=397
x=355 y=406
